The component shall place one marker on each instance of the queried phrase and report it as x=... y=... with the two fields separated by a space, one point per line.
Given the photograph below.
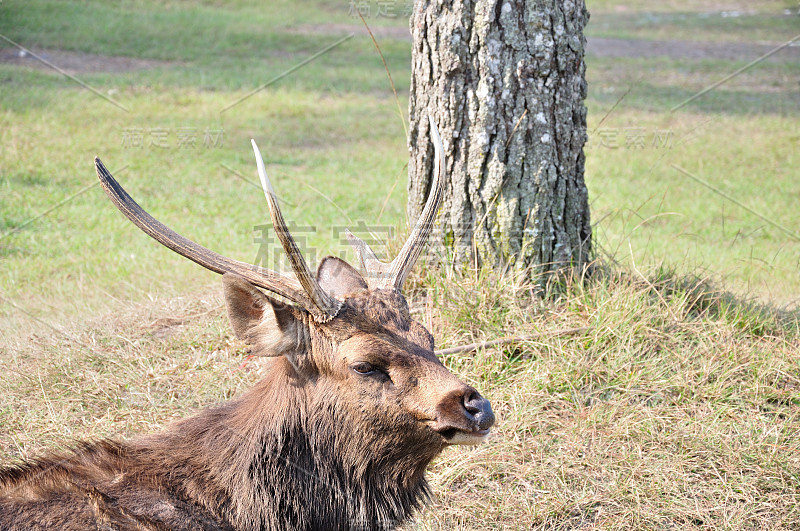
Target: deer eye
x=362 y=367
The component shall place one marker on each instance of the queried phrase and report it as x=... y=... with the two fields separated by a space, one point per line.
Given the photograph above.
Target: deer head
x=348 y=336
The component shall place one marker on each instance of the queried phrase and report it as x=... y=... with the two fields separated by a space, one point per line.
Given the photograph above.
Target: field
x=678 y=409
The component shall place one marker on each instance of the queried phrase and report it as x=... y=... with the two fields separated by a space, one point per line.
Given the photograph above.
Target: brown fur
x=316 y=445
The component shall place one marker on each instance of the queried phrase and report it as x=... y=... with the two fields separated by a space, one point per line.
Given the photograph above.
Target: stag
x=337 y=435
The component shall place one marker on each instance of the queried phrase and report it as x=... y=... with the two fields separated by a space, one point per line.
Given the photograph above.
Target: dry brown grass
x=680 y=409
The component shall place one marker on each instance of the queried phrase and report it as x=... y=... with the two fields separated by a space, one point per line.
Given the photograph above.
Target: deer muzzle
x=463 y=416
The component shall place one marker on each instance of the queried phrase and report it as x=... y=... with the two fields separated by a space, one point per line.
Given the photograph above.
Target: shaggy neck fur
x=311 y=469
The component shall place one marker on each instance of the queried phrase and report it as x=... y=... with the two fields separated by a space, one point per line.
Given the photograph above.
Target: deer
x=337 y=435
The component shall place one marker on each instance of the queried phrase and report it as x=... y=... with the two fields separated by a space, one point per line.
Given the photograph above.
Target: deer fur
x=336 y=436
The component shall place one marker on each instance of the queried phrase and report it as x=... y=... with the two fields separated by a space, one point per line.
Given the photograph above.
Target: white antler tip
x=262 y=172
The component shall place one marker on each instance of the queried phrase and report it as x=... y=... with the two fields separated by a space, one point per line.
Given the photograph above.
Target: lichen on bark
x=505 y=82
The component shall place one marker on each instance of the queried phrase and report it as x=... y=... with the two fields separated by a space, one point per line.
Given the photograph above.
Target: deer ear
x=272 y=327
x=338 y=278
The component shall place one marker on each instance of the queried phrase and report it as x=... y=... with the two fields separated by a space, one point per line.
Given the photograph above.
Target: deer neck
x=317 y=454
x=287 y=444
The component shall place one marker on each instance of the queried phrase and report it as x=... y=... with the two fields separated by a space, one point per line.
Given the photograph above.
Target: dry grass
x=128 y=373
x=679 y=410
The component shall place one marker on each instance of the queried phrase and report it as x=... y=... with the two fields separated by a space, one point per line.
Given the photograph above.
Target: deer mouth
x=457 y=436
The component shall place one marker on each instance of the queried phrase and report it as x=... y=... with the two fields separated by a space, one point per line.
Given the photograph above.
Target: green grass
x=761 y=22
x=660 y=84
x=649 y=212
x=769 y=28
x=677 y=410
x=167 y=30
x=697 y=6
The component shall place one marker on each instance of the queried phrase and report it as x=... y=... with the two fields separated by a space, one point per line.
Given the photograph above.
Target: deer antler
x=321 y=308
x=327 y=304
x=393 y=275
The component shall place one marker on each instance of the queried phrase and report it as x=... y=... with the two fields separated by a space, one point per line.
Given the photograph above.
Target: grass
x=764 y=22
x=647 y=211
x=677 y=410
x=775 y=27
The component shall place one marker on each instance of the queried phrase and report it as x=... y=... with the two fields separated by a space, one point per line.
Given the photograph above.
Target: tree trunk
x=504 y=81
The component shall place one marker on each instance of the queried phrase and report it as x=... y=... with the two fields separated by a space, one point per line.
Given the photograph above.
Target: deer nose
x=479 y=409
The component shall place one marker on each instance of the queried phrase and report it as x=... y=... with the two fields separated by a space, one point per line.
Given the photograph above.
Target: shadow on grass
x=700 y=298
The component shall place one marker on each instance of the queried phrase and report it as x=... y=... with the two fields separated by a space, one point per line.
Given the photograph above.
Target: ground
x=82 y=63
x=677 y=409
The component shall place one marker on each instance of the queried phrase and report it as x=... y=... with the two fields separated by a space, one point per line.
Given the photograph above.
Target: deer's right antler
x=392 y=275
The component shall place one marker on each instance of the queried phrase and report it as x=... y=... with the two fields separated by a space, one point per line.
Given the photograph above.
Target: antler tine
x=402 y=265
x=328 y=306
x=393 y=275
x=369 y=261
x=258 y=276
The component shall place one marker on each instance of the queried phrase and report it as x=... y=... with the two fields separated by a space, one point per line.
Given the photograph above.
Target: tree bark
x=505 y=82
